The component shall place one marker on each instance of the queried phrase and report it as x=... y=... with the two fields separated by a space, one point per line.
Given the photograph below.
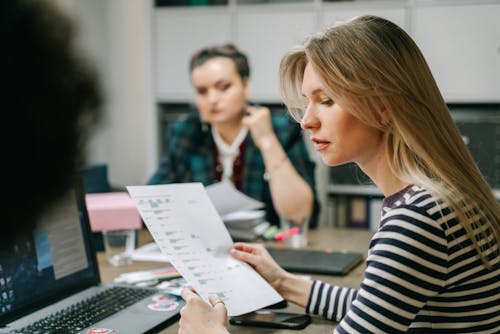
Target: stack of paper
x=239 y=212
x=246 y=225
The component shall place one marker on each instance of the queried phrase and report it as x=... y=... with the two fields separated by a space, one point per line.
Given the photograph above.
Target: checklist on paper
x=187 y=228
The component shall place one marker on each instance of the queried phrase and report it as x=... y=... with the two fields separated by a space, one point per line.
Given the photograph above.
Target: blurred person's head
x=50 y=100
x=220 y=76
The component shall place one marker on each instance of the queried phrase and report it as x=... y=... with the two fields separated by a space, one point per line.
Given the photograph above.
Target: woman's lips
x=319 y=144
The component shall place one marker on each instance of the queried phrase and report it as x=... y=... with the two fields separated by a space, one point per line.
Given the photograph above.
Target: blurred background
x=142 y=48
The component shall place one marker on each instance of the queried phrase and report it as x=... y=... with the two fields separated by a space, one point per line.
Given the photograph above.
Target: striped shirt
x=423 y=275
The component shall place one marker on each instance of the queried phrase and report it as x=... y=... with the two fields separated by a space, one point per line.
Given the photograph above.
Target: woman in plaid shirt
x=261 y=153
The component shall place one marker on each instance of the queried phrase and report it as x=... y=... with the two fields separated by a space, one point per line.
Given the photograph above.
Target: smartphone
x=272 y=319
x=281 y=304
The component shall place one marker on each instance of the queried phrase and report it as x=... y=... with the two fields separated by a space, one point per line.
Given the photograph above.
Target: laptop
x=52 y=273
x=316 y=261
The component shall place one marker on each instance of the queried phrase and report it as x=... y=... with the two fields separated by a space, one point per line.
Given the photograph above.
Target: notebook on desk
x=54 y=270
x=316 y=261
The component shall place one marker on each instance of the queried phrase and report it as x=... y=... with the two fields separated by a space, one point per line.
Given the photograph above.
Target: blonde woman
x=366 y=95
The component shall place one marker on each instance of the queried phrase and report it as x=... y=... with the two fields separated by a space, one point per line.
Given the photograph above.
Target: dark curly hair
x=50 y=99
x=227 y=50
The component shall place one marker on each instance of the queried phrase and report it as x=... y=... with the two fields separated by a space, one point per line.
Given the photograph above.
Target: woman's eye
x=224 y=87
x=327 y=102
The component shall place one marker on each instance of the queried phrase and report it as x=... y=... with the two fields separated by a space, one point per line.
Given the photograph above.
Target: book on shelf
x=358 y=211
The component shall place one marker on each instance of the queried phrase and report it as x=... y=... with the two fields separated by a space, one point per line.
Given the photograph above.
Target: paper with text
x=189 y=231
x=227 y=199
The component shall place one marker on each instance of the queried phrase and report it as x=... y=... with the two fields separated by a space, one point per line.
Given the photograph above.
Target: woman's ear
x=246 y=88
x=385 y=118
x=382 y=116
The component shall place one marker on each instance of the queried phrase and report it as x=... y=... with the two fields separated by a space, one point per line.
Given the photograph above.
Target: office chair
x=95 y=180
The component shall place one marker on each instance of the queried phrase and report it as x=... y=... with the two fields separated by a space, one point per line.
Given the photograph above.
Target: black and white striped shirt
x=423 y=275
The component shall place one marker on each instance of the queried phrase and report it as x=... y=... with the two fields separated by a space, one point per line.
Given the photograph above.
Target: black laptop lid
x=53 y=261
x=316 y=261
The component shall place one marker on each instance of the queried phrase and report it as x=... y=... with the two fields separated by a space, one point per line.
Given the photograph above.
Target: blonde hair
x=371 y=66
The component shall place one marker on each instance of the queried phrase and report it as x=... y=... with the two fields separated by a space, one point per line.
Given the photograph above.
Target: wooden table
x=334 y=239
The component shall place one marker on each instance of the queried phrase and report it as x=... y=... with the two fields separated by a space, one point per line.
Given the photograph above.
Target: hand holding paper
x=190 y=232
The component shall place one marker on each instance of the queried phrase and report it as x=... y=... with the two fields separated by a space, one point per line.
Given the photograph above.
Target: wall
x=115 y=34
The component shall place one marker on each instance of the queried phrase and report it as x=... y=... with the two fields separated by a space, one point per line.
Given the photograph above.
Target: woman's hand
x=258 y=121
x=258 y=257
x=198 y=317
x=291 y=287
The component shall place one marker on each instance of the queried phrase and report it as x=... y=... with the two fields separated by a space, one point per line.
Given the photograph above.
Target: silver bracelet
x=267 y=174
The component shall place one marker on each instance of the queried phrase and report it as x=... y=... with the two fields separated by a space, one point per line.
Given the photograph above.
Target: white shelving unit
x=460 y=39
x=177 y=34
x=265 y=33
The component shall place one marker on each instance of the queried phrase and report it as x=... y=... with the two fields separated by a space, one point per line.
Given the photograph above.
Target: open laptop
x=54 y=268
x=316 y=261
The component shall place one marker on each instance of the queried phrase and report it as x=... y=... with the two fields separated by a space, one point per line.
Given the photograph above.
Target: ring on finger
x=218 y=302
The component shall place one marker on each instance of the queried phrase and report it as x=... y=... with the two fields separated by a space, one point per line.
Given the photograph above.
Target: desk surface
x=335 y=239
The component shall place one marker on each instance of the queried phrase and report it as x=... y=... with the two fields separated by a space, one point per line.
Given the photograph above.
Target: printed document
x=227 y=199
x=187 y=228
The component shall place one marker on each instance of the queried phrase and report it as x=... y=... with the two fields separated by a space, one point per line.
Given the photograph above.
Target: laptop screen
x=53 y=261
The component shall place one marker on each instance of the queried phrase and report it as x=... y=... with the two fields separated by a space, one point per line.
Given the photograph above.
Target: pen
x=152 y=282
x=148 y=275
x=270 y=233
x=281 y=236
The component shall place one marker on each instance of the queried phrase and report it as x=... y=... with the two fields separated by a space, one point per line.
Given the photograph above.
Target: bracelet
x=267 y=174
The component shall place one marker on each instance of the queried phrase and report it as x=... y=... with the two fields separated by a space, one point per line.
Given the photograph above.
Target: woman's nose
x=213 y=95
x=309 y=120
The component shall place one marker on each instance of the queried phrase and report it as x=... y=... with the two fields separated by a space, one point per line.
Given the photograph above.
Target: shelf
x=209 y=3
x=351 y=189
x=189 y=3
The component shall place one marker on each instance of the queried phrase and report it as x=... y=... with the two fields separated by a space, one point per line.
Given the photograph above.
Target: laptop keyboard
x=87 y=312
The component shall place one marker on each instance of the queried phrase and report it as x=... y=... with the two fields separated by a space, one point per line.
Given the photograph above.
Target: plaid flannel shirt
x=189 y=157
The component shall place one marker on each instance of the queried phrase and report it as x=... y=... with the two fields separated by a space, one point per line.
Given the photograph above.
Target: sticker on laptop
x=163 y=303
x=101 y=331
